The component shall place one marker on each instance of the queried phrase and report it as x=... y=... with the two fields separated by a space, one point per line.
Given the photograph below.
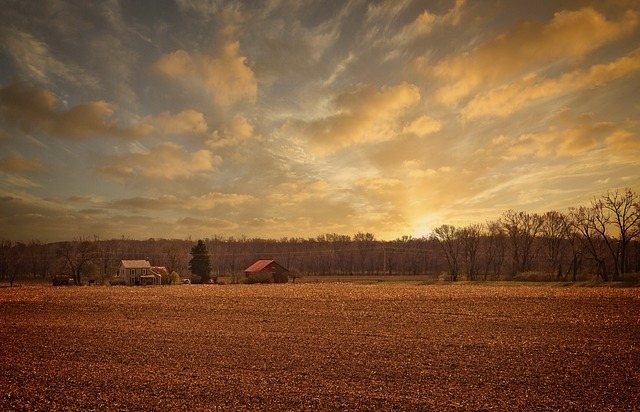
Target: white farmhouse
x=138 y=272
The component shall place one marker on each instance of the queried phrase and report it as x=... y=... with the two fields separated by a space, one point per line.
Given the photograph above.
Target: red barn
x=266 y=271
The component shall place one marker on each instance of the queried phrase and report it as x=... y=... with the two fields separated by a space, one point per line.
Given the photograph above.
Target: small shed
x=266 y=271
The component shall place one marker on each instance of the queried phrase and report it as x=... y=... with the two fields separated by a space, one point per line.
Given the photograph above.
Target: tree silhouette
x=200 y=263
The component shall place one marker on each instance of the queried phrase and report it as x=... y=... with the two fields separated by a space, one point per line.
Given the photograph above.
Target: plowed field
x=320 y=347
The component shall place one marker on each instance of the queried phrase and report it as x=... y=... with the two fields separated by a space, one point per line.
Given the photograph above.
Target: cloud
x=504 y=100
x=215 y=199
x=226 y=77
x=32 y=109
x=167 y=161
x=208 y=201
x=531 y=45
x=386 y=28
x=185 y=122
x=383 y=190
x=34 y=60
x=363 y=115
x=569 y=134
x=18 y=164
x=422 y=126
x=236 y=131
x=293 y=194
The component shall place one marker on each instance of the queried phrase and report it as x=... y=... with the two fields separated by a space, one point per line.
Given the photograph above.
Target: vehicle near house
x=266 y=271
x=62 y=280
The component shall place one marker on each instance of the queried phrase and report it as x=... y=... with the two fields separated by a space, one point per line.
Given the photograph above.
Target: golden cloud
x=168 y=161
x=33 y=109
x=293 y=194
x=214 y=199
x=362 y=115
x=504 y=100
x=387 y=191
x=422 y=126
x=568 y=135
x=185 y=122
x=237 y=130
x=531 y=45
x=13 y=164
x=226 y=77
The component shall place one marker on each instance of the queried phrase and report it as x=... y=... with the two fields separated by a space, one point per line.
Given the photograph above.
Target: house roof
x=261 y=265
x=135 y=264
x=159 y=270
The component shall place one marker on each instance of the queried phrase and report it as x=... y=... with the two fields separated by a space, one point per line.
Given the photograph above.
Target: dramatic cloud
x=32 y=109
x=19 y=164
x=503 y=101
x=226 y=77
x=531 y=45
x=167 y=161
x=569 y=135
x=185 y=122
x=235 y=132
x=362 y=115
x=294 y=118
x=422 y=126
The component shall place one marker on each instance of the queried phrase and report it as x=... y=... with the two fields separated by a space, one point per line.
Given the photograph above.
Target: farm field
x=321 y=347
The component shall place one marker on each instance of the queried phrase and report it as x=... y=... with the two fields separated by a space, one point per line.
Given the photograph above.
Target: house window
x=144 y=271
x=133 y=271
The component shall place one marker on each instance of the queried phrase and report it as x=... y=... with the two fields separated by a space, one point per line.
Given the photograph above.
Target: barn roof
x=259 y=265
x=135 y=264
x=263 y=264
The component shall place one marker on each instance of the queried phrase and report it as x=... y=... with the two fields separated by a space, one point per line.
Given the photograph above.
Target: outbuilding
x=266 y=271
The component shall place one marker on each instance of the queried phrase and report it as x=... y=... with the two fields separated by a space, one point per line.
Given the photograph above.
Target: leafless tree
x=470 y=237
x=622 y=211
x=495 y=248
x=522 y=229
x=78 y=255
x=449 y=240
x=553 y=233
x=364 y=243
x=588 y=222
x=576 y=248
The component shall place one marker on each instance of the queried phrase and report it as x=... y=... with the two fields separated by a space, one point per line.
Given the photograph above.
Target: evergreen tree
x=200 y=263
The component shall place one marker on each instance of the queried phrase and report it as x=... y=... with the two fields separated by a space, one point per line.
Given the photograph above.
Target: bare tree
x=364 y=243
x=495 y=247
x=522 y=229
x=553 y=233
x=12 y=256
x=449 y=240
x=623 y=212
x=470 y=240
x=577 y=249
x=586 y=221
x=78 y=256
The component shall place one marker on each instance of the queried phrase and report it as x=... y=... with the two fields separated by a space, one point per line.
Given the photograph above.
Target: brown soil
x=320 y=347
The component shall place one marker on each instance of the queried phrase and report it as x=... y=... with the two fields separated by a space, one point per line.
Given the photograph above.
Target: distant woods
x=599 y=240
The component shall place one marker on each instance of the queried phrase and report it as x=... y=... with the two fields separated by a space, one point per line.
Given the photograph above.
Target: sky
x=293 y=118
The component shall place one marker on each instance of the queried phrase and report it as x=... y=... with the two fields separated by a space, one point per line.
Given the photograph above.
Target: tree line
x=601 y=239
